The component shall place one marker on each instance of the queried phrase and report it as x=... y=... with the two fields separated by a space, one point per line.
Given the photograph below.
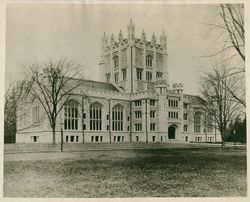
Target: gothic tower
x=134 y=64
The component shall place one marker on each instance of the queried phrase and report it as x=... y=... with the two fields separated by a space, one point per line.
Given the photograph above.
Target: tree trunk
x=54 y=136
x=223 y=138
x=223 y=144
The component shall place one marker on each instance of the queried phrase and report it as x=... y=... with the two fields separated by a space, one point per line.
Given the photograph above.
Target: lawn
x=188 y=172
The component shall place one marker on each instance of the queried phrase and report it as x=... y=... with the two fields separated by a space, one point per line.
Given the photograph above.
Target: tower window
x=152 y=126
x=116 y=77
x=116 y=61
x=124 y=74
x=138 y=114
x=185 y=116
x=172 y=103
x=152 y=102
x=173 y=115
x=152 y=114
x=138 y=103
x=138 y=127
x=139 y=74
x=149 y=76
x=149 y=61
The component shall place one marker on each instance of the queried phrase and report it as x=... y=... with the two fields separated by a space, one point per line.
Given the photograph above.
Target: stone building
x=133 y=103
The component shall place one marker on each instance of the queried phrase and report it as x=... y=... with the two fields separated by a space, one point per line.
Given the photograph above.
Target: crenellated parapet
x=132 y=39
x=161 y=86
x=178 y=88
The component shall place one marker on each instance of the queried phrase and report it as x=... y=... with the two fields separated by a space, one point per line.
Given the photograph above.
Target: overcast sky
x=38 y=32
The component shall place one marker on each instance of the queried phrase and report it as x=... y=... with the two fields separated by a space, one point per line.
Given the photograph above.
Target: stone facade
x=133 y=103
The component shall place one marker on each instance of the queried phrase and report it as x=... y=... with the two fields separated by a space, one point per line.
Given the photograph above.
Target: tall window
x=71 y=115
x=172 y=103
x=148 y=76
x=152 y=126
x=124 y=74
x=95 y=115
x=152 y=114
x=209 y=123
x=185 y=128
x=173 y=115
x=116 y=77
x=117 y=118
x=197 y=123
x=149 y=61
x=185 y=116
x=116 y=61
x=35 y=114
x=138 y=74
x=185 y=105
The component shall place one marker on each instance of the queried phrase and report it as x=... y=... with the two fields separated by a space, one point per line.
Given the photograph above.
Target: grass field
x=176 y=172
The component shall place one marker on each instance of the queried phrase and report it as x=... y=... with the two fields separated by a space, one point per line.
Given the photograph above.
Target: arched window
x=116 y=61
x=197 y=123
x=149 y=61
x=209 y=123
x=71 y=115
x=95 y=115
x=117 y=118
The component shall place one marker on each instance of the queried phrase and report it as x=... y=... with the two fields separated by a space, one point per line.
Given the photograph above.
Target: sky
x=38 y=32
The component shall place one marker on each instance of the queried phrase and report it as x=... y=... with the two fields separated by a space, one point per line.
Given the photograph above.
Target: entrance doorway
x=171 y=132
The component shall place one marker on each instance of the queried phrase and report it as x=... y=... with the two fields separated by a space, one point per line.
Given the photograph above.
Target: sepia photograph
x=124 y=99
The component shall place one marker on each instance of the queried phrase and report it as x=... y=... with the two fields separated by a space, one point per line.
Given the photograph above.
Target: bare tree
x=238 y=95
x=14 y=96
x=232 y=30
x=217 y=100
x=232 y=33
x=52 y=84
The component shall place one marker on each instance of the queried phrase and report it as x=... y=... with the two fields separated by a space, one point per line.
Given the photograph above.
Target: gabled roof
x=93 y=84
x=191 y=98
x=194 y=99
